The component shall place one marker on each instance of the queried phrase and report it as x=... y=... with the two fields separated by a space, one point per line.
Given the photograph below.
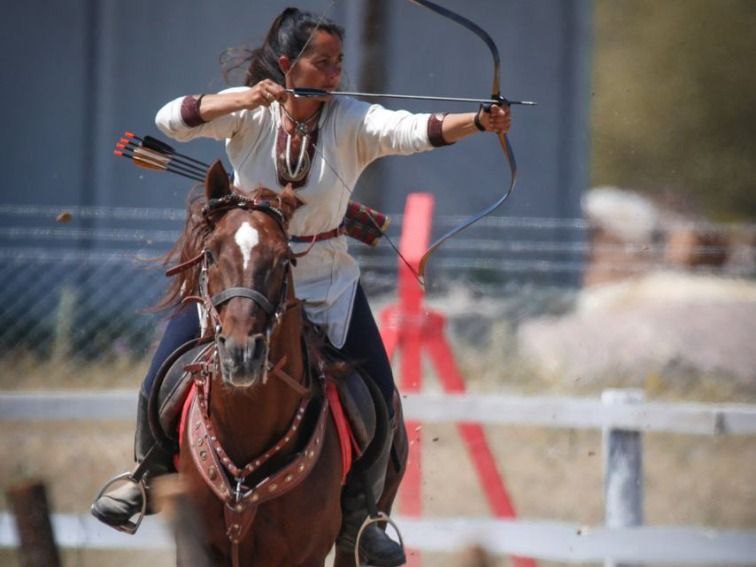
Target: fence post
x=37 y=548
x=64 y=322
x=623 y=469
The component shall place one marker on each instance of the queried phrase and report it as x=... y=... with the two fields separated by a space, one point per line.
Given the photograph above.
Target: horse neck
x=249 y=422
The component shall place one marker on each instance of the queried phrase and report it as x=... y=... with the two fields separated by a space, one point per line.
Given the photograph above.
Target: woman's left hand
x=499 y=119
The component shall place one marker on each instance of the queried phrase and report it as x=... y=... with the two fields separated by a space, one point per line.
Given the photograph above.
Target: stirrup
x=130 y=527
x=380 y=517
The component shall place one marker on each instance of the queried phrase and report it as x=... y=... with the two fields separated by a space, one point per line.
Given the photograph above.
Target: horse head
x=247 y=273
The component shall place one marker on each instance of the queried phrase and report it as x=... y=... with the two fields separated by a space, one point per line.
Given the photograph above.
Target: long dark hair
x=289 y=35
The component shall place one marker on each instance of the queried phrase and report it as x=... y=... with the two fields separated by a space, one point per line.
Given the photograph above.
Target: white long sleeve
x=170 y=121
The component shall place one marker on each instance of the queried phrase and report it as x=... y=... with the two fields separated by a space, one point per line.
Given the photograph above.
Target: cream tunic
x=351 y=135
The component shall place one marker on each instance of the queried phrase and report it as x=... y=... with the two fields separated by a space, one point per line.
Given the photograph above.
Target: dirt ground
x=550 y=474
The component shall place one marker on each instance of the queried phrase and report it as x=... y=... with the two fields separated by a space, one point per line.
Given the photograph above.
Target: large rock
x=625 y=332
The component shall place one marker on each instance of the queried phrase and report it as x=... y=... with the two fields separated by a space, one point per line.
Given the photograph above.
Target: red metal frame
x=409 y=328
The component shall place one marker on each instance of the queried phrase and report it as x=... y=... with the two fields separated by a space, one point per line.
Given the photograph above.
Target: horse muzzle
x=243 y=363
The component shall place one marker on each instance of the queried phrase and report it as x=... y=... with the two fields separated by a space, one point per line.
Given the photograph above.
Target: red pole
x=408 y=327
x=401 y=328
x=416 y=231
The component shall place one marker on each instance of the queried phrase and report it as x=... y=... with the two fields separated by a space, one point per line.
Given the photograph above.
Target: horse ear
x=290 y=202
x=216 y=181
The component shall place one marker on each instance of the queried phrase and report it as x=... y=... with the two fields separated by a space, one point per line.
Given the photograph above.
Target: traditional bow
x=496 y=98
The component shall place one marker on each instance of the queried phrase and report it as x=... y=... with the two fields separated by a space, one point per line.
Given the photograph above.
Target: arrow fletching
x=141 y=162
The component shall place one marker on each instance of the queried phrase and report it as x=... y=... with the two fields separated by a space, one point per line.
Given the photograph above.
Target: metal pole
x=623 y=469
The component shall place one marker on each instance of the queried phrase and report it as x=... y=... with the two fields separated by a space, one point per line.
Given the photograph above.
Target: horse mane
x=198 y=227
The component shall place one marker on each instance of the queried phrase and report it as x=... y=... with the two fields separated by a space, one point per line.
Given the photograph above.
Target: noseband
x=212 y=303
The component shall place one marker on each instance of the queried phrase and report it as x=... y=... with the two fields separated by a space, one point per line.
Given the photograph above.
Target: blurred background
x=624 y=258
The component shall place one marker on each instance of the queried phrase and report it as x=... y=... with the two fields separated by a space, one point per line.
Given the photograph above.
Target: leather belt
x=318 y=237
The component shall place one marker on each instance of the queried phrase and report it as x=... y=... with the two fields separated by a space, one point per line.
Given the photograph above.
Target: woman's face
x=320 y=66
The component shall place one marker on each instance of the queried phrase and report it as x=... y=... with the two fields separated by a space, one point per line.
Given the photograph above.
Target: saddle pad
x=344 y=431
x=183 y=418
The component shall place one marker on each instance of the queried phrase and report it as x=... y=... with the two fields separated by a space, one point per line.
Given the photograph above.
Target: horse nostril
x=257 y=346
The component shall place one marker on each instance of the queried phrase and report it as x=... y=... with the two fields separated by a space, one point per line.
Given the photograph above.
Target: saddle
x=180 y=401
x=357 y=396
x=170 y=390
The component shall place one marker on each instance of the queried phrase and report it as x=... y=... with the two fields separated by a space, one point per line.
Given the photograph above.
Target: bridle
x=211 y=303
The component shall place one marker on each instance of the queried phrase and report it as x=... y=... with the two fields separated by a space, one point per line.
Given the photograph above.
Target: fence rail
x=544 y=411
x=551 y=541
x=539 y=539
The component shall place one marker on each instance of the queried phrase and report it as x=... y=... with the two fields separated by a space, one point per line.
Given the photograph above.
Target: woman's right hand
x=265 y=92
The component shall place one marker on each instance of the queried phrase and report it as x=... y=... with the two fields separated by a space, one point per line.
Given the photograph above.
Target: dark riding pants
x=363 y=346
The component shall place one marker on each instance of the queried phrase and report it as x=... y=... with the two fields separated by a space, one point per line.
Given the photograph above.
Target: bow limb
x=503 y=140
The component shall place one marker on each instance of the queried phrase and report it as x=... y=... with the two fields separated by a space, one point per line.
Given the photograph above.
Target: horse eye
x=210 y=257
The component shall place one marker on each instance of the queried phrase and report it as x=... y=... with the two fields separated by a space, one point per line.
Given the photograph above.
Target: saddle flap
x=174 y=388
x=359 y=408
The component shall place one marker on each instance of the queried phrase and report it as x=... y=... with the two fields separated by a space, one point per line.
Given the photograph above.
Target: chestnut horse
x=260 y=452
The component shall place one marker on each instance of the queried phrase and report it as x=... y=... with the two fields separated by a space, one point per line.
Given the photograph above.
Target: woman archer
x=321 y=146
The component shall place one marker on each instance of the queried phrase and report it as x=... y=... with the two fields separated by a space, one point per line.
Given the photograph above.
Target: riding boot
x=116 y=507
x=358 y=501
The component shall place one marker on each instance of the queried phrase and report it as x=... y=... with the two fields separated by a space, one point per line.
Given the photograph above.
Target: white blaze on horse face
x=247 y=238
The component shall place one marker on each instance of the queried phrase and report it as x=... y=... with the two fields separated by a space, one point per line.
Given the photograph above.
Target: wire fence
x=77 y=291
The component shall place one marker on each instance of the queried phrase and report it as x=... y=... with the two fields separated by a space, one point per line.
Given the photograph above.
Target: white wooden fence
x=540 y=411
x=621 y=415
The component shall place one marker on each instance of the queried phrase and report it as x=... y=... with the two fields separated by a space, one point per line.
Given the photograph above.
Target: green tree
x=674 y=101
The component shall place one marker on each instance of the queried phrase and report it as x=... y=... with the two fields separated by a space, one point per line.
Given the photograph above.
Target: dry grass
x=25 y=371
